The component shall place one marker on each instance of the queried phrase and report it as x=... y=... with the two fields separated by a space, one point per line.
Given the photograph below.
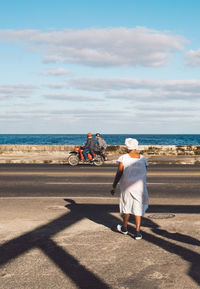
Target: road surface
x=173 y=181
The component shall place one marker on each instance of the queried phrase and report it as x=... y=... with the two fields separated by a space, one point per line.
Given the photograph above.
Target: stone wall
x=188 y=154
x=153 y=150
x=169 y=154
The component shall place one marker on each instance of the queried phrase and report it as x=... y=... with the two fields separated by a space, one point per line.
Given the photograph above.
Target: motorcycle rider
x=102 y=145
x=89 y=147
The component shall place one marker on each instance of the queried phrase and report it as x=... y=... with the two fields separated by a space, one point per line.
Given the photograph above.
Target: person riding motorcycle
x=102 y=145
x=89 y=147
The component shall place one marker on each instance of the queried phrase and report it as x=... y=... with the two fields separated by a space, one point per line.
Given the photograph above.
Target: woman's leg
x=125 y=220
x=138 y=222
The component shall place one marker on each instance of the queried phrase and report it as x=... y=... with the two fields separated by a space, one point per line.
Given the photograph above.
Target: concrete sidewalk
x=51 y=243
x=61 y=158
x=58 y=154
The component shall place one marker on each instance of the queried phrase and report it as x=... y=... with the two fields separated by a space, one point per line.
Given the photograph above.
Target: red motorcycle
x=76 y=157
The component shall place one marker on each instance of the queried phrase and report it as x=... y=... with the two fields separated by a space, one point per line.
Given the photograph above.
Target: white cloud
x=140 y=89
x=154 y=95
x=16 y=90
x=83 y=113
x=168 y=108
x=56 y=85
x=52 y=59
x=105 y=118
x=108 y=84
x=71 y=97
x=192 y=58
x=108 y=119
x=56 y=72
x=131 y=95
x=101 y=47
x=167 y=116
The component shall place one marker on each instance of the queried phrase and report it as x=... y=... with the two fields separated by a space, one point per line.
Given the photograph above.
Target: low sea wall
x=57 y=154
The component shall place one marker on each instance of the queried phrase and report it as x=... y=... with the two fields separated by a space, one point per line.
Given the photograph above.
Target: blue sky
x=108 y=66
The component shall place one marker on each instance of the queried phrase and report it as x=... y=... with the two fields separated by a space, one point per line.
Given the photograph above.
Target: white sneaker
x=119 y=229
x=138 y=236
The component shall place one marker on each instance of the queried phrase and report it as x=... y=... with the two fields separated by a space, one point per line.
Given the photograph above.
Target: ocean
x=111 y=139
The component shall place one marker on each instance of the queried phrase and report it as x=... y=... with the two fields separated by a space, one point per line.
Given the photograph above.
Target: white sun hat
x=131 y=143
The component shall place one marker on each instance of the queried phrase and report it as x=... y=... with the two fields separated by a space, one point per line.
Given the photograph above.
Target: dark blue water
x=117 y=139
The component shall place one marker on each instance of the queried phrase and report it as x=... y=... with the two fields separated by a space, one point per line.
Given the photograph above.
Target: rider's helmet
x=98 y=134
x=89 y=134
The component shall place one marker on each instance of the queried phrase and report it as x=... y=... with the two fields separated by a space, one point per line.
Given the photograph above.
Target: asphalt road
x=174 y=181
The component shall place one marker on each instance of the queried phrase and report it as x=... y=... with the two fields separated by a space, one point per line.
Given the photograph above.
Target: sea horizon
x=111 y=139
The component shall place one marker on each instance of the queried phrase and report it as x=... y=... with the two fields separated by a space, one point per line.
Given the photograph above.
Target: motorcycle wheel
x=98 y=161
x=73 y=160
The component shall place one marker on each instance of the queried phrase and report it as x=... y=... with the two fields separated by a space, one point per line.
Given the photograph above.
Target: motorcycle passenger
x=89 y=147
x=102 y=145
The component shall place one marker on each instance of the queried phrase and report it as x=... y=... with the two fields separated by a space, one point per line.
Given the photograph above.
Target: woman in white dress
x=131 y=173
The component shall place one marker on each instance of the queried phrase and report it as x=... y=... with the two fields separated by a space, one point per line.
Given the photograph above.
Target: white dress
x=134 y=194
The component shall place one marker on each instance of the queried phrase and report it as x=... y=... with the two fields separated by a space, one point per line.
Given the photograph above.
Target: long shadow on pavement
x=99 y=213
x=41 y=238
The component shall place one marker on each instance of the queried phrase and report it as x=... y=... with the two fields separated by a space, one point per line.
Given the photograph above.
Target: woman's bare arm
x=117 y=177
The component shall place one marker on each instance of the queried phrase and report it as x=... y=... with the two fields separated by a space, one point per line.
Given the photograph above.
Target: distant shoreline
x=111 y=139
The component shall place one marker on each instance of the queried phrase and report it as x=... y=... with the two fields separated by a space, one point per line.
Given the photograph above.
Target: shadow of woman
x=102 y=214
